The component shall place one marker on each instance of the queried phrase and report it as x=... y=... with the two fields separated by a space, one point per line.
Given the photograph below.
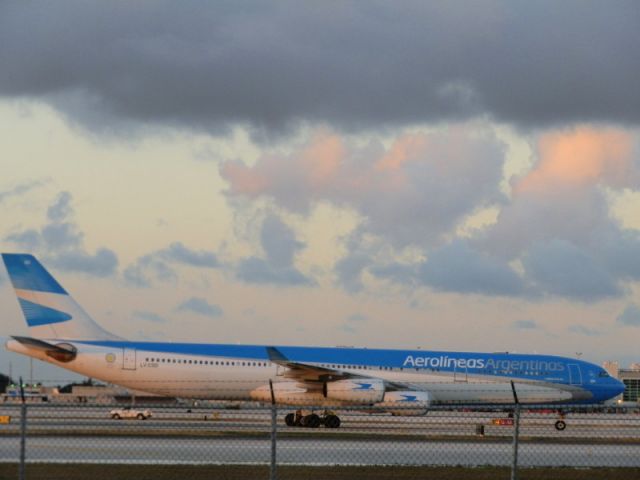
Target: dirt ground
x=240 y=472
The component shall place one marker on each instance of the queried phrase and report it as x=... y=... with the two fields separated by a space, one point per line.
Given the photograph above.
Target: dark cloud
x=349 y=270
x=200 y=306
x=630 y=317
x=458 y=268
x=563 y=269
x=350 y=64
x=280 y=245
x=620 y=250
x=279 y=242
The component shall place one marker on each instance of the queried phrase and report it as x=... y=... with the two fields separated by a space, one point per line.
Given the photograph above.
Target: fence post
x=516 y=433
x=274 y=425
x=23 y=431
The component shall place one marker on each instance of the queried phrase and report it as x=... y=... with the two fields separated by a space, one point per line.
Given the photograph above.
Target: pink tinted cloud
x=561 y=197
x=585 y=156
x=411 y=192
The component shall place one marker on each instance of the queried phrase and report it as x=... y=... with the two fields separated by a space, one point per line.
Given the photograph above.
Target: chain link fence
x=257 y=441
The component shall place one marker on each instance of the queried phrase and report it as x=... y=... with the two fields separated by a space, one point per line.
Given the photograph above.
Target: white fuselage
x=225 y=378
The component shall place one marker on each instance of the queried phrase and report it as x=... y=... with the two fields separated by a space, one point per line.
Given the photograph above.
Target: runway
x=317 y=451
x=207 y=436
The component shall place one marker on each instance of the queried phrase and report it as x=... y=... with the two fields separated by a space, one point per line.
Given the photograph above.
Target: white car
x=128 y=412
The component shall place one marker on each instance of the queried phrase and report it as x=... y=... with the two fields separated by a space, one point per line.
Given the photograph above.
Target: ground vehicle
x=128 y=412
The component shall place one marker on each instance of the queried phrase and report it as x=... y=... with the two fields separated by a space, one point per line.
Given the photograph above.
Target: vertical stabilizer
x=50 y=312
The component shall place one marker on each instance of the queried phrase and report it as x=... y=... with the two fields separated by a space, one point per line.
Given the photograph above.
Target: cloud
x=349 y=64
x=61 y=209
x=158 y=265
x=177 y=252
x=458 y=268
x=61 y=236
x=19 y=190
x=29 y=239
x=582 y=330
x=102 y=264
x=560 y=268
x=563 y=196
x=280 y=245
x=149 y=316
x=525 y=325
x=558 y=223
x=146 y=269
x=279 y=242
x=62 y=243
x=630 y=317
x=349 y=270
x=357 y=317
x=200 y=306
x=258 y=270
x=348 y=328
x=413 y=192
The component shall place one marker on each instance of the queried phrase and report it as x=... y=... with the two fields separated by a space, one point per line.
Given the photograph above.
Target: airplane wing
x=306 y=373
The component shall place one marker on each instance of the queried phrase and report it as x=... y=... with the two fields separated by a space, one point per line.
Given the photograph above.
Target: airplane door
x=575 y=375
x=128 y=358
x=459 y=374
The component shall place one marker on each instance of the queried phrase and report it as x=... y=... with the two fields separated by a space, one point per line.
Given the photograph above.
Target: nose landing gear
x=302 y=418
x=560 y=423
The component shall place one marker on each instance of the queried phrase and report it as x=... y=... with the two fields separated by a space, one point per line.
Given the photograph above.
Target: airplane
x=400 y=382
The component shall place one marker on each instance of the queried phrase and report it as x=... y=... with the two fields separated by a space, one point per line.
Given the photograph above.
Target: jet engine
x=407 y=403
x=287 y=393
x=365 y=391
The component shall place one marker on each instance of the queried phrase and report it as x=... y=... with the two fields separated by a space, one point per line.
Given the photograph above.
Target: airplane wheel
x=560 y=425
x=115 y=416
x=140 y=416
x=311 y=421
x=332 y=421
x=290 y=420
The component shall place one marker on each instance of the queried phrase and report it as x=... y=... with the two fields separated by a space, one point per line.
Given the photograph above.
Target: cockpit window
x=603 y=374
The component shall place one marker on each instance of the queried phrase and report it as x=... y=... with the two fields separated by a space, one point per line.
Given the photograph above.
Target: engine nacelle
x=406 y=403
x=287 y=393
x=365 y=391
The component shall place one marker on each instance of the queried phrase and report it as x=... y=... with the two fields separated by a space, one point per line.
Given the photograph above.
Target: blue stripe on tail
x=26 y=273
x=36 y=314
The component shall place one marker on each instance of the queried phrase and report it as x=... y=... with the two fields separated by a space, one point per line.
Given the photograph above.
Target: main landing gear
x=308 y=419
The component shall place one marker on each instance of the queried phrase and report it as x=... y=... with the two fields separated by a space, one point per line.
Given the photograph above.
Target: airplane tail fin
x=50 y=312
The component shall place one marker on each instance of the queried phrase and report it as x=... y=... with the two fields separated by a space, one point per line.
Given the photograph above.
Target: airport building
x=629 y=376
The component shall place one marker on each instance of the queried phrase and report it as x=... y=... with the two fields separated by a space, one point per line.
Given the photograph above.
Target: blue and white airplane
x=62 y=334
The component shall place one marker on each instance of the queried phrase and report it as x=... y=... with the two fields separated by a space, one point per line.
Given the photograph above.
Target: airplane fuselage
x=233 y=372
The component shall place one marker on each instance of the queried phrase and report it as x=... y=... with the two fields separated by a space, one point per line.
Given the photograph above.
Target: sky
x=445 y=175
